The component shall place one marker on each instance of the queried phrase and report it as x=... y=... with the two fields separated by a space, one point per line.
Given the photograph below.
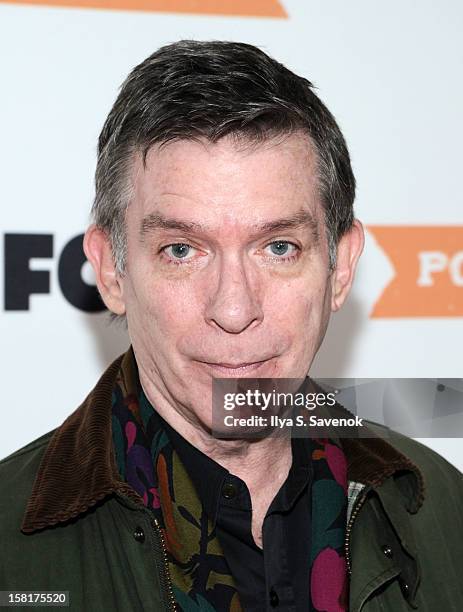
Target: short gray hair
x=207 y=90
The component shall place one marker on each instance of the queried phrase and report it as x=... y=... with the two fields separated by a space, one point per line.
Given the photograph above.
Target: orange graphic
x=245 y=8
x=428 y=264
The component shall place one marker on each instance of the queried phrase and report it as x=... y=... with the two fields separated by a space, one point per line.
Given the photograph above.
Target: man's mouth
x=224 y=370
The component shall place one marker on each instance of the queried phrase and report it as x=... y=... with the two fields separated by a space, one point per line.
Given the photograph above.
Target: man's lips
x=230 y=369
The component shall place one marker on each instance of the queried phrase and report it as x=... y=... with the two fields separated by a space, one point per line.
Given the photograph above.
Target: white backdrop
x=389 y=71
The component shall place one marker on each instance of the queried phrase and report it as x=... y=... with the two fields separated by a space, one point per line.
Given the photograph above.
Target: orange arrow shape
x=428 y=265
x=242 y=8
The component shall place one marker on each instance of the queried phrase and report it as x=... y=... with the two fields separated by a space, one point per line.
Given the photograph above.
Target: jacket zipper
x=353 y=516
x=172 y=604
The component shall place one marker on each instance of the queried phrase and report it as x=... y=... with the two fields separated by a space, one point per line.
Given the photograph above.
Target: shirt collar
x=208 y=476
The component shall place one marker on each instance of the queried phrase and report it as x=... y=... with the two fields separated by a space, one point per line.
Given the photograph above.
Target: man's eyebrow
x=157 y=221
x=299 y=219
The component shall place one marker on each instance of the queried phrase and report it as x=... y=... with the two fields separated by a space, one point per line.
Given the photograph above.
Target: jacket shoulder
x=36 y=445
x=17 y=475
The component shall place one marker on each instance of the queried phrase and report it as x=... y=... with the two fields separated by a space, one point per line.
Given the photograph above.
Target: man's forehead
x=202 y=184
x=166 y=160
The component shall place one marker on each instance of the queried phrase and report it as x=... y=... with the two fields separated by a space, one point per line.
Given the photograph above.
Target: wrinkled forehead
x=232 y=181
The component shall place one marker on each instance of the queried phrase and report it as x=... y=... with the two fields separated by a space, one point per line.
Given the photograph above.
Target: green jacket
x=68 y=523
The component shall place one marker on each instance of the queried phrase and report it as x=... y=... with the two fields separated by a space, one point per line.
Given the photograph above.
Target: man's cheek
x=172 y=318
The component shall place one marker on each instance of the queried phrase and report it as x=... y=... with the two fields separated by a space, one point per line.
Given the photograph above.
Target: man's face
x=227 y=267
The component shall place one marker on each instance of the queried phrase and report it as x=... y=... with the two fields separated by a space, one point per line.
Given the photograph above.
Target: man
x=224 y=234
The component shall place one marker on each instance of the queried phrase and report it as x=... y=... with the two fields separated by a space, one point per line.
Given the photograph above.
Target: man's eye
x=179 y=251
x=282 y=248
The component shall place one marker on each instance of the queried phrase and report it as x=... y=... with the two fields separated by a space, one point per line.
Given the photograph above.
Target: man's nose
x=234 y=305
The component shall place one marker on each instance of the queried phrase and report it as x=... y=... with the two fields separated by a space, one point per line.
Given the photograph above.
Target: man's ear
x=350 y=248
x=97 y=248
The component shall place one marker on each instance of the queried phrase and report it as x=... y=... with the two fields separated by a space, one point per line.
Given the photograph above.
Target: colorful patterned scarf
x=200 y=575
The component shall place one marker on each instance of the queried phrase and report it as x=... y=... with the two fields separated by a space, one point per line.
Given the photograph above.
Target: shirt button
x=387 y=550
x=274 y=599
x=139 y=534
x=229 y=490
x=404 y=588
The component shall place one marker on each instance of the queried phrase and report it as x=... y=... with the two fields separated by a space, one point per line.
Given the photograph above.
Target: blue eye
x=282 y=247
x=179 y=250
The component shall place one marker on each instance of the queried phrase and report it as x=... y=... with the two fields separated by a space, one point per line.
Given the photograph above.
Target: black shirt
x=275 y=578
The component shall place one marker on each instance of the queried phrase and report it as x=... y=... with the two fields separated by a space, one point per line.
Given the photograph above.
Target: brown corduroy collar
x=78 y=468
